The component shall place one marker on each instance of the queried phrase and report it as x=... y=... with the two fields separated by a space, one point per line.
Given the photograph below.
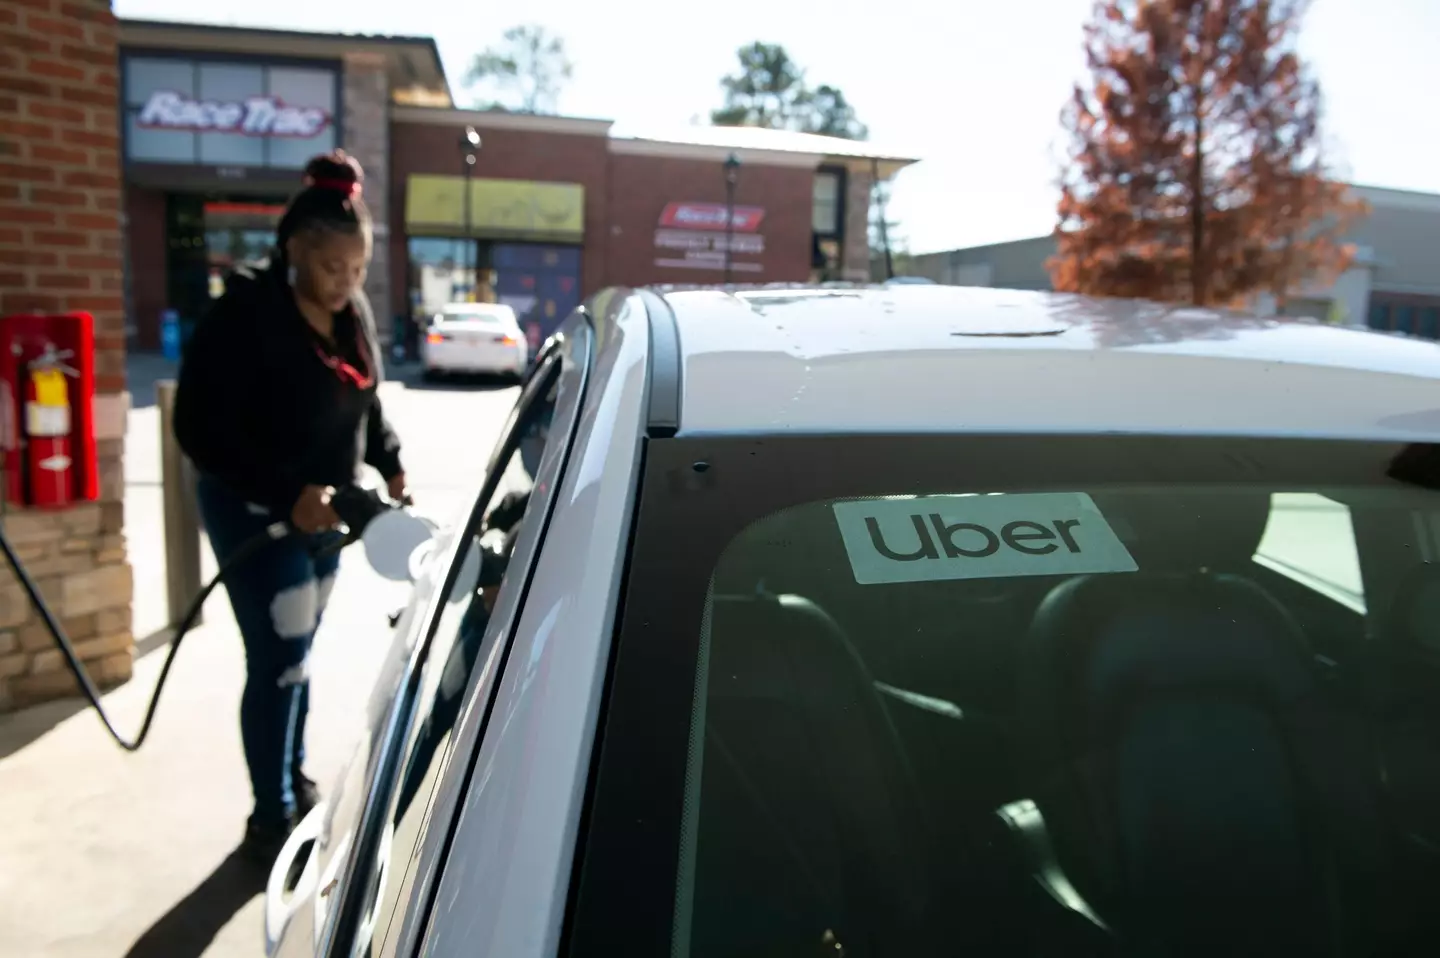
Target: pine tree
x=1196 y=172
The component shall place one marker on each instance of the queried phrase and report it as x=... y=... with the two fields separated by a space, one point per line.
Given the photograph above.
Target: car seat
x=1404 y=700
x=811 y=838
x=1198 y=794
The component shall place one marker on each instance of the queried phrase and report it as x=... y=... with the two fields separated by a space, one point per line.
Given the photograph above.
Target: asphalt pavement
x=110 y=854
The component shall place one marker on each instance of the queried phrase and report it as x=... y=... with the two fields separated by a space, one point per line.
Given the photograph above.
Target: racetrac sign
x=711 y=216
x=253 y=116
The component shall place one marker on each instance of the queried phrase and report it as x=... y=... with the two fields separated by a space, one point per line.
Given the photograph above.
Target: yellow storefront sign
x=499 y=209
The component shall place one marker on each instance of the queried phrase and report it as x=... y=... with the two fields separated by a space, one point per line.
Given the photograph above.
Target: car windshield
x=1078 y=718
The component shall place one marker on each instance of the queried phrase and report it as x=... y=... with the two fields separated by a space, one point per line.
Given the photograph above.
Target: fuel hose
x=355 y=506
x=247 y=550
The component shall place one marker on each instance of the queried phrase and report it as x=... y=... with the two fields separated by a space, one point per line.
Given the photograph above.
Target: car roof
x=921 y=359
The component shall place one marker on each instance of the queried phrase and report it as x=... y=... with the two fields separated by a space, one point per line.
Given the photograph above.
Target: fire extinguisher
x=49 y=470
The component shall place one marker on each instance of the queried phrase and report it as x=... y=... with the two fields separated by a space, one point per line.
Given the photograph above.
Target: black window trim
x=355 y=896
x=418 y=908
x=628 y=856
x=842 y=185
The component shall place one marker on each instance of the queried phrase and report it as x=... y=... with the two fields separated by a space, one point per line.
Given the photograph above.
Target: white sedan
x=913 y=621
x=474 y=338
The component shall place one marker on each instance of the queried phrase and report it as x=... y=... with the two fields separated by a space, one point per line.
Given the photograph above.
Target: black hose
x=273 y=533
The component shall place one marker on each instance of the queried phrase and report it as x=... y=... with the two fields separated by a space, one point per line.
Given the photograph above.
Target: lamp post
x=732 y=176
x=470 y=145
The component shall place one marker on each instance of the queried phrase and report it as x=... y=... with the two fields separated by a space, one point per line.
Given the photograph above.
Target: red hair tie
x=348 y=187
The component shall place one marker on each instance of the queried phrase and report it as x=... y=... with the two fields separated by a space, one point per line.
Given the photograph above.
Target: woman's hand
x=312 y=511
x=397 y=490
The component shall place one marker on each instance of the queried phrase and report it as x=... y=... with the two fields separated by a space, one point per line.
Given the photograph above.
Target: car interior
x=1218 y=754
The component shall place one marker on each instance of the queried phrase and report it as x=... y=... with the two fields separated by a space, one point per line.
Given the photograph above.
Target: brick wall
x=60 y=250
x=504 y=154
x=855 y=265
x=641 y=186
x=366 y=136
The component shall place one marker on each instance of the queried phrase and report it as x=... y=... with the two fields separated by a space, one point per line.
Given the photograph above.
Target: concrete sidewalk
x=114 y=854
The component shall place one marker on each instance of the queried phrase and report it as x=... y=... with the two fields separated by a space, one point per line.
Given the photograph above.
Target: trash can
x=170 y=343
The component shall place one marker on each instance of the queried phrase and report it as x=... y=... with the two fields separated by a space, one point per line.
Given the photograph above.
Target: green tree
x=832 y=115
x=527 y=69
x=769 y=90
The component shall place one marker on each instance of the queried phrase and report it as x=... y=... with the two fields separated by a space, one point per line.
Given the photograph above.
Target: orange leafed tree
x=1196 y=173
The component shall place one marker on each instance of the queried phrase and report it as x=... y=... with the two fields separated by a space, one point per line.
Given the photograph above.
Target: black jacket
x=256 y=406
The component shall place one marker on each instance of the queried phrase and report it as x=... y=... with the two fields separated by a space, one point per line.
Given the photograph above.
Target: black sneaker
x=263 y=840
x=307 y=795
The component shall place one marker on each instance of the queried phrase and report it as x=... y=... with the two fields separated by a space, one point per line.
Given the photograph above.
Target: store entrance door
x=207 y=236
x=541 y=283
x=237 y=231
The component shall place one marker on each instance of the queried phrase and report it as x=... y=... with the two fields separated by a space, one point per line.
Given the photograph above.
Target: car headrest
x=1102 y=639
x=789 y=551
x=1187 y=532
x=1413 y=620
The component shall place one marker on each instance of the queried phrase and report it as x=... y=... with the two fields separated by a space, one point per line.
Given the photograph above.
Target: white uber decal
x=933 y=538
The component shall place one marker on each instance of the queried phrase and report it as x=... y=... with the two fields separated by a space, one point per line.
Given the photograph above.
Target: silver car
x=913 y=621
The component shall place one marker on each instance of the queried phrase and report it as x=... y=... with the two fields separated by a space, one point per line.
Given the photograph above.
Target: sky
x=972 y=88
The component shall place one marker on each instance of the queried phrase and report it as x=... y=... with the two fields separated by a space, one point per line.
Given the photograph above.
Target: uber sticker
x=976 y=537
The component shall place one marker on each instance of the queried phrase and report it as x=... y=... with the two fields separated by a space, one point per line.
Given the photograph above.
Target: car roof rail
x=663 y=410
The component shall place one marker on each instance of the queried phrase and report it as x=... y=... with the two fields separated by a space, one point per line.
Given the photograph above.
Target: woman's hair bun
x=336 y=170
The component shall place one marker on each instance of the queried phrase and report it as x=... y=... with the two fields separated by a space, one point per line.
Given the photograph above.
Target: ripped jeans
x=278 y=596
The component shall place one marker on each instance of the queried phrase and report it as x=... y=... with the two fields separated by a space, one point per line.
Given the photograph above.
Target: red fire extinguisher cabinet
x=24 y=339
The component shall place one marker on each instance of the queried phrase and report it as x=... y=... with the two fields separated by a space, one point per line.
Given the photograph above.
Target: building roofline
x=1391 y=197
x=670 y=149
x=1022 y=241
x=222 y=38
x=149 y=23
x=757 y=156
x=502 y=120
x=640 y=145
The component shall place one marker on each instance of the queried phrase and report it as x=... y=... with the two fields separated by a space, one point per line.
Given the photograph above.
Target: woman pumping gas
x=277 y=406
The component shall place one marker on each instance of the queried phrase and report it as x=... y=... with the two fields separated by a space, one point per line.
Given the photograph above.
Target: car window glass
x=1299 y=521
x=1096 y=720
x=456 y=644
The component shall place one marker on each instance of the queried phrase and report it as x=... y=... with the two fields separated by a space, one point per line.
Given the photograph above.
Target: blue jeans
x=278 y=596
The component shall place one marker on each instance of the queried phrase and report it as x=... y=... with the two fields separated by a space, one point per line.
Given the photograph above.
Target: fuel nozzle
x=387 y=531
x=357 y=506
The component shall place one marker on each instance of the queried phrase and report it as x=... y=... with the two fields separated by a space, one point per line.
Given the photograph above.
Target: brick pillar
x=60 y=247
x=855 y=259
x=366 y=136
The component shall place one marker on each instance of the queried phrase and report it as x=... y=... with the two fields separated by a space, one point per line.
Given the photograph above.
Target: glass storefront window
x=1429 y=323
x=442 y=271
x=825 y=216
x=143 y=77
x=220 y=113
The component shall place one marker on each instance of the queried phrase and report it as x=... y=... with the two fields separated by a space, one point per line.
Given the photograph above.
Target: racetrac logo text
x=253 y=116
x=711 y=216
x=975 y=537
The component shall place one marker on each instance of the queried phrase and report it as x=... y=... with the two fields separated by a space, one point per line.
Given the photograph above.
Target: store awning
x=499 y=209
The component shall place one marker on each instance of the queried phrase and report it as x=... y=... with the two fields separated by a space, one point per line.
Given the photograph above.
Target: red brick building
x=216 y=122
x=60 y=250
